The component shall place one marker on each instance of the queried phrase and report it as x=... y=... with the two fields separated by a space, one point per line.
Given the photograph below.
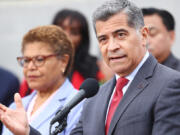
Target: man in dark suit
x=150 y=102
x=147 y=104
x=161 y=26
x=9 y=86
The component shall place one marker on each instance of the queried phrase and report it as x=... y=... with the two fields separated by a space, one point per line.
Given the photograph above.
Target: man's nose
x=113 y=44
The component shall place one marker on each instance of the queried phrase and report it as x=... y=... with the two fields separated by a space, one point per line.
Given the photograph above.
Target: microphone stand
x=60 y=127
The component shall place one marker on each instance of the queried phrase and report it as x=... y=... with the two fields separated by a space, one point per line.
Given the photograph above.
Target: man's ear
x=144 y=33
x=172 y=36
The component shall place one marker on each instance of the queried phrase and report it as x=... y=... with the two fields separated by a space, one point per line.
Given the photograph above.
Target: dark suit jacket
x=34 y=131
x=150 y=106
x=172 y=62
x=9 y=85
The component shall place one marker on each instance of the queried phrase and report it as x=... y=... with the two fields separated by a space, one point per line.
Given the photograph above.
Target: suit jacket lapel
x=102 y=103
x=138 y=84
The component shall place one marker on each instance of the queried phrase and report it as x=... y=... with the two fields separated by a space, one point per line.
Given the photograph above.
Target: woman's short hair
x=53 y=36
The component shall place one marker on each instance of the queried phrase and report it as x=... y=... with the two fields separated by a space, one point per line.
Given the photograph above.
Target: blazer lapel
x=138 y=84
x=103 y=101
x=57 y=102
x=54 y=105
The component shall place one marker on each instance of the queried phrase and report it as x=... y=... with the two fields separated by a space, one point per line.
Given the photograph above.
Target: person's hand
x=15 y=120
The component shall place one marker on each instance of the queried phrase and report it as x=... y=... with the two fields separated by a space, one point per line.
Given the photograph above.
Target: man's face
x=160 y=39
x=122 y=46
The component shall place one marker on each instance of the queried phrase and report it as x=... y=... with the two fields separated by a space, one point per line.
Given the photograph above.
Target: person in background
x=76 y=26
x=9 y=86
x=106 y=70
x=161 y=26
x=47 y=59
x=24 y=89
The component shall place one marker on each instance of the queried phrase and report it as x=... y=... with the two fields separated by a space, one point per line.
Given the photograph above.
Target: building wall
x=18 y=16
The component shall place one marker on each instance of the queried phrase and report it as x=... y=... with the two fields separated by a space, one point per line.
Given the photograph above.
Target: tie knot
x=121 y=82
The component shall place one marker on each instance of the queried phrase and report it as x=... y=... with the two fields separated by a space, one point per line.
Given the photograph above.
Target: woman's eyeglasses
x=38 y=61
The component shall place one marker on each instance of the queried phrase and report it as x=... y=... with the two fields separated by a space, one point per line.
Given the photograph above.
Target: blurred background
x=18 y=16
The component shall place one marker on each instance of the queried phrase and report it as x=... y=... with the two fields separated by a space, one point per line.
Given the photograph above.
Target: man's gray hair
x=112 y=7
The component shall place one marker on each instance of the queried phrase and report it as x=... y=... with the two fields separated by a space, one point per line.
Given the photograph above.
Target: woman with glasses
x=75 y=24
x=47 y=56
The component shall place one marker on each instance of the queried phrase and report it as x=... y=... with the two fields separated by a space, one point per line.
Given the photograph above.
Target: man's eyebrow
x=100 y=36
x=120 y=30
x=114 y=32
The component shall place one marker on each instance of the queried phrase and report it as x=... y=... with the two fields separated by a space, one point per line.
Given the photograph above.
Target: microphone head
x=90 y=86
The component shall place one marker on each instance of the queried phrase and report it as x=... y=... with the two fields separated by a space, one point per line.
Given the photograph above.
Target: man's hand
x=15 y=120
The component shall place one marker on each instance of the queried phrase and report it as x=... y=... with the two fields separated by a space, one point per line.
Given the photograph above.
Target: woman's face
x=72 y=28
x=48 y=76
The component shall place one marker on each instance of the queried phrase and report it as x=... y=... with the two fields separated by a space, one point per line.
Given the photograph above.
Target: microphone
x=88 y=89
